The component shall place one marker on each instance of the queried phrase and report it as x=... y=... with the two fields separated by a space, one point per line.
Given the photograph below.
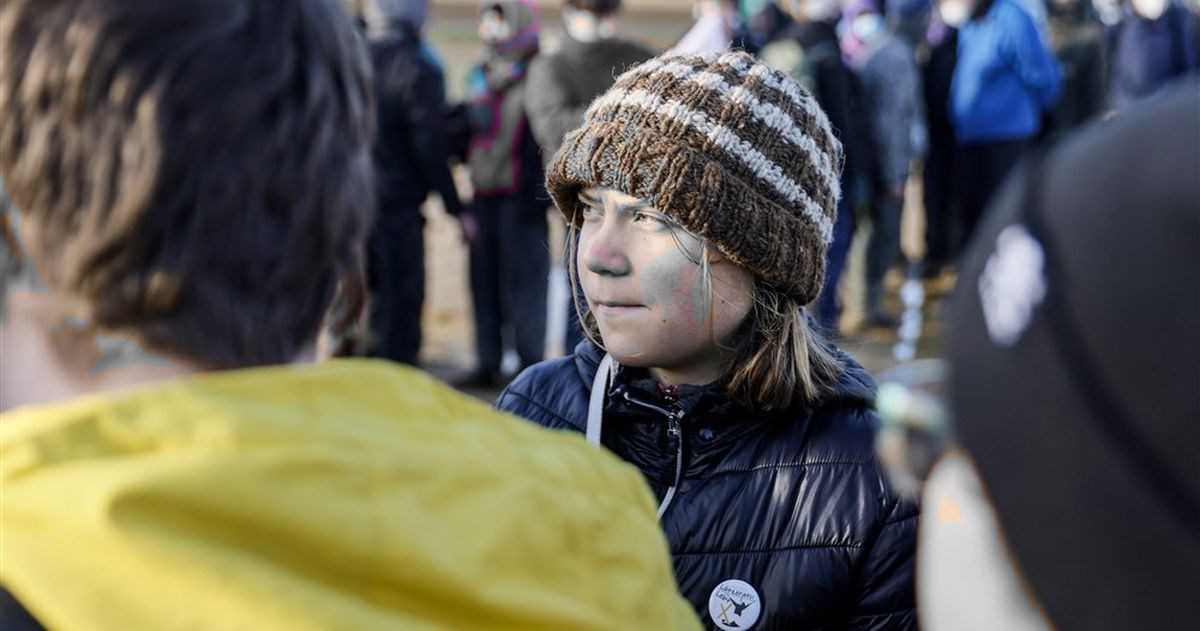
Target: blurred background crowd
x=935 y=102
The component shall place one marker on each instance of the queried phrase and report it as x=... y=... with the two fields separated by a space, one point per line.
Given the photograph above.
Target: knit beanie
x=735 y=151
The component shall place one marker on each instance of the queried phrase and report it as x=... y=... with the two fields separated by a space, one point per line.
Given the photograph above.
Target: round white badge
x=734 y=604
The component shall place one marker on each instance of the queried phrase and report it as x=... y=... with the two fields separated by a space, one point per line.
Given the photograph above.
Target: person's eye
x=651 y=219
x=592 y=213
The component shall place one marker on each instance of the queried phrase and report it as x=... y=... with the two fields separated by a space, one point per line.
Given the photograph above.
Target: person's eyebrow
x=636 y=205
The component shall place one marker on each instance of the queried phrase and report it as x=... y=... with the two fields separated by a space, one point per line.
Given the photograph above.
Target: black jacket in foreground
x=791 y=503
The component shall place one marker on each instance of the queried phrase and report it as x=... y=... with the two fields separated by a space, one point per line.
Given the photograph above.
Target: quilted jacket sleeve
x=886 y=590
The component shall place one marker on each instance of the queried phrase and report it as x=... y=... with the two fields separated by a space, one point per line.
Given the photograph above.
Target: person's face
x=816 y=10
x=492 y=27
x=586 y=26
x=1149 y=9
x=955 y=12
x=643 y=278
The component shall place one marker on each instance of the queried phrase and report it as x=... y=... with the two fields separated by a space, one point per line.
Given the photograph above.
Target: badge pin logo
x=1012 y=285
x=734 y=604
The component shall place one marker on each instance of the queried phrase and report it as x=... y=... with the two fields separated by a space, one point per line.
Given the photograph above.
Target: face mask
x=818 y=10
x=867 y=25
x=1149 y=9
x=587 y=27
x=954 y=13
x=493 y=28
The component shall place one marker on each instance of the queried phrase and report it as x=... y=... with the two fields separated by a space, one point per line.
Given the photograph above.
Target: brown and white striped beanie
x=738 y=153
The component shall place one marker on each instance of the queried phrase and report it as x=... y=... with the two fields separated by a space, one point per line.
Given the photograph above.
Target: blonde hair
x=776 y=355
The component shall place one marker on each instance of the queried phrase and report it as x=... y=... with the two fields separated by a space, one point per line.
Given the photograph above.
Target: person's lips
x=617 y=307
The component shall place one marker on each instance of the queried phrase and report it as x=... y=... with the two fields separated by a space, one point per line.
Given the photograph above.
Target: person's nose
x=604 y=251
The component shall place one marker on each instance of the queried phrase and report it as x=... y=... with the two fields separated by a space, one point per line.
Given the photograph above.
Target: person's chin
x=628 y=350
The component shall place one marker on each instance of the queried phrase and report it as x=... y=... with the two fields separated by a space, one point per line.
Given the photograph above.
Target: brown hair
x=197 y=172
x=779 y=354
x=776 y=355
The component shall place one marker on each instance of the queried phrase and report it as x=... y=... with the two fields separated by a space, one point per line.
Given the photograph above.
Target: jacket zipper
x=674 y=441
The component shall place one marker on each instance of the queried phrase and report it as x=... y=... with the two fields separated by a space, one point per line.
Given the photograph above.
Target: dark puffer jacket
x=791 y=503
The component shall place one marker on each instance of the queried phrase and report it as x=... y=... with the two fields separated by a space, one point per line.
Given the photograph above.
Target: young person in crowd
x=1005 y=79
x=1156 y=42
x=890 y=88
x=411 y=161
x=808 y=51
x=510 y=257
x=702 y=192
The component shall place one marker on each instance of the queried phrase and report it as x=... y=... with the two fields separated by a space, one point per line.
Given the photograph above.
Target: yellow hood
x=347 y=495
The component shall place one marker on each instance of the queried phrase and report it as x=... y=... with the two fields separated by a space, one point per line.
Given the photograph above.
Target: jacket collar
x=855 y=388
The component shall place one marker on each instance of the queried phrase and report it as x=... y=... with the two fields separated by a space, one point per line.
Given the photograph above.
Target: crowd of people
x=205 y=192
x=954 y=92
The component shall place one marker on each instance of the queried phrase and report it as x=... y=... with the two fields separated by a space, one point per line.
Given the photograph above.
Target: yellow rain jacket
x=347 y=495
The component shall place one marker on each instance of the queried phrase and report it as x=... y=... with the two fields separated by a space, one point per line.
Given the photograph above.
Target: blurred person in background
x=890 y=88
x=1005 y=78
x=942 y=184
x=909 y=19
x=716 y=25
x=223 y=478
x=760 y=21
x=1077 y=39
x=510 y=258
x=411 y=161
x=1064 y=492
x=807 y=51
x=1156 y=42
x=562 y=82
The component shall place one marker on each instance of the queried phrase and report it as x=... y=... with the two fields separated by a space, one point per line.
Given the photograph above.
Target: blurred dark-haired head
x=382 y=17
x=197 y=173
